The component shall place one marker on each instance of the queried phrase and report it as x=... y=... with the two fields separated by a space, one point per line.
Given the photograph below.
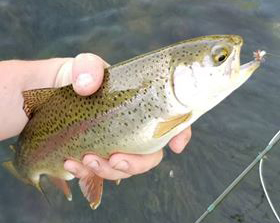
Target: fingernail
x=84 y=79
x=122 y=165
x=94 y=165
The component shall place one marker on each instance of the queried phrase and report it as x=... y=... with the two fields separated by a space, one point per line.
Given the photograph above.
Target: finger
x=87 y=73
x=102 y=168
x=135 y=164
x=64 y=74
x=76 y=168
x=178 y=143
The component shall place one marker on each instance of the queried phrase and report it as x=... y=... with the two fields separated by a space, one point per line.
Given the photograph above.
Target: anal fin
x=63 y=186
x=92 y=188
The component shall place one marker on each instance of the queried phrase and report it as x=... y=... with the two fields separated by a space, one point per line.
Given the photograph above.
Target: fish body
x=141 y=105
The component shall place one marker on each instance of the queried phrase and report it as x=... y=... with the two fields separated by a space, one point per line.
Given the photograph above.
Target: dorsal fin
x=33 y=99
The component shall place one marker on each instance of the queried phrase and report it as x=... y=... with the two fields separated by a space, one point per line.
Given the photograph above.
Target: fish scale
x=142 y=103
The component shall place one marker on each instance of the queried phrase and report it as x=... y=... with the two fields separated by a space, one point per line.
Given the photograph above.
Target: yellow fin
x=33 y=99
x=164 y=127
x=11 y=168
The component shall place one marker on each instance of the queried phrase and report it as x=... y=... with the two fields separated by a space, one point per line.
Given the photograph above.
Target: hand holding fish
x=86 y=73
x=140 y=106
x=87 y=76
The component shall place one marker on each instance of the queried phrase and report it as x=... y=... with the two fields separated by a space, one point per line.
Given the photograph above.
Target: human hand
x=87 y=75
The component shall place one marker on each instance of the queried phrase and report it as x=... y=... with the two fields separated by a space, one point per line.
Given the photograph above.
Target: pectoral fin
x=164 y=127
x=92 y=188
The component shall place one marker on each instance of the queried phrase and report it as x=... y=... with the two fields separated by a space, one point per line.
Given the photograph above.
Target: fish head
x=209 y=70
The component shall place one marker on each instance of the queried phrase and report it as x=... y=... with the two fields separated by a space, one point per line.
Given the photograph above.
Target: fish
x=142 y=103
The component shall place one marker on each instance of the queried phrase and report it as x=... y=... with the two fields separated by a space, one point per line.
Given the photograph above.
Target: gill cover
x=196 y=82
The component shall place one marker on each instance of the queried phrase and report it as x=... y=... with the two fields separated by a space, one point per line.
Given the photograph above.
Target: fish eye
x=221 y=58
x=219 y=55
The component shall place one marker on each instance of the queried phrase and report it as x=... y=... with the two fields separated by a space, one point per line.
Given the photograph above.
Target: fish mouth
x=232 y=67
x=243 y=73
x=247 y=69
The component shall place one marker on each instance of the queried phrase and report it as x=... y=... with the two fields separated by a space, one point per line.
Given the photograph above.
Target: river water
x=224 y=141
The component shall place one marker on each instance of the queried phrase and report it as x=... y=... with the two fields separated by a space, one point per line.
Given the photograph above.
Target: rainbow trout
x=142 y=103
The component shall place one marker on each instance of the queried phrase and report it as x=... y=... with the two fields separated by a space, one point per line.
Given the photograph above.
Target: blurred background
x=224 y=141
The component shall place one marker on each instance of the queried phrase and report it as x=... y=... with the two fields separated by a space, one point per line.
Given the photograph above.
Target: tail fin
x=9 y=165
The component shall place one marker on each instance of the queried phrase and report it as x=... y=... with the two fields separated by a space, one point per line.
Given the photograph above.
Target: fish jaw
x=238 y=75
x=246 y=70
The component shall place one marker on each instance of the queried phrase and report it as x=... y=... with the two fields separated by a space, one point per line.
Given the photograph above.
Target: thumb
x=85 y=72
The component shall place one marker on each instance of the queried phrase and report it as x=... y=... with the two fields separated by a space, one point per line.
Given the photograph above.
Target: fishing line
x=271 y=54
x=265 y=190
x=220 y=198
